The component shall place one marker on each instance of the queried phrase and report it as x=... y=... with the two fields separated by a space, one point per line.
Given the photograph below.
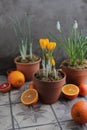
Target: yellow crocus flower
x=51 y=45
x=54 y=45
x=47 y=46
x=43 y=43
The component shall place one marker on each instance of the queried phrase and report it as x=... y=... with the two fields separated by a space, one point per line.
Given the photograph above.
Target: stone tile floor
x=15 y=116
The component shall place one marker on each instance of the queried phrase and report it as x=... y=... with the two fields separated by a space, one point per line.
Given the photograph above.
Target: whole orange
x=83 y=89
x=79 y=112
x=16 y=79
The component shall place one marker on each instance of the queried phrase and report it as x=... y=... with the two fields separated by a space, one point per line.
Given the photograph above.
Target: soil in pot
x=28 y=59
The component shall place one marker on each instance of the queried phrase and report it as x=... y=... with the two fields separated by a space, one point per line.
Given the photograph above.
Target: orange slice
x=70 y=91
x=29 y=97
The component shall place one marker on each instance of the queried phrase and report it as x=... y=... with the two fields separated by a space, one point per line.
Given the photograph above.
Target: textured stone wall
x=44 y=15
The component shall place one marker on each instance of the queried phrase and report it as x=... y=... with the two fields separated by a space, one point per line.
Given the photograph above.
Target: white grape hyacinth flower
x=58 y=26
x=75 y=26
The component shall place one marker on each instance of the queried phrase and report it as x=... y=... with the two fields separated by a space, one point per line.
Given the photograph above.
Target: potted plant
x=48 y=81
x=75 y=46
x=27 y=62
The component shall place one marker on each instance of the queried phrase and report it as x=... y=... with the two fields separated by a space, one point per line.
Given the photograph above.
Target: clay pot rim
x=70 y=67
x=74 y=69
x=31 y=63
x=64 y=77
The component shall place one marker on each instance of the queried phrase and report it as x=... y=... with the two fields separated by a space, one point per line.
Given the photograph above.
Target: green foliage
x=30 y=36
x=75 y=45
x=23 y=49
x=22 y=36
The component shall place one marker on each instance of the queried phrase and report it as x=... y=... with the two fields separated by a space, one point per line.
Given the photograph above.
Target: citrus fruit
x=70 y=91
x=79 y=112
x=29 y=97
x=16 y=79
x=5 y=87
x=31 y=85
x=83 y=89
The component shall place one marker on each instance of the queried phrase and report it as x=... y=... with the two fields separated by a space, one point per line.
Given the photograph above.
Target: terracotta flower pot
x=49 y=91
x=28 y=69
x=75 y=76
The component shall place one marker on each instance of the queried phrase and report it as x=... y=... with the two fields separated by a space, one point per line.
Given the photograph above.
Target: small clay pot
x=75 y=76
x=49 y=91
x=10 y=70
x=5 y=87
x=28 y=69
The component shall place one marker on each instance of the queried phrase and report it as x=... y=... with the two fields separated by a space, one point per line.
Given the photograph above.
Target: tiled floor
x=15 y=116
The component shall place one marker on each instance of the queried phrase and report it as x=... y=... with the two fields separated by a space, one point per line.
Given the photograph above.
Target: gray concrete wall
x=44 y=15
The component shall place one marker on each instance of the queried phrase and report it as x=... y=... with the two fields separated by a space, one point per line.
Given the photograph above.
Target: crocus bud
x=47 y=55
x=53 y=62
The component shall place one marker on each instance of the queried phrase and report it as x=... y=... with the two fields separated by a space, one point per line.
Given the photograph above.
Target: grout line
x=4 y=104
x=56 y=117
x=34 y=126
x=14 y=103
x=11 y=112
x=66 y=121
x=17 y=124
